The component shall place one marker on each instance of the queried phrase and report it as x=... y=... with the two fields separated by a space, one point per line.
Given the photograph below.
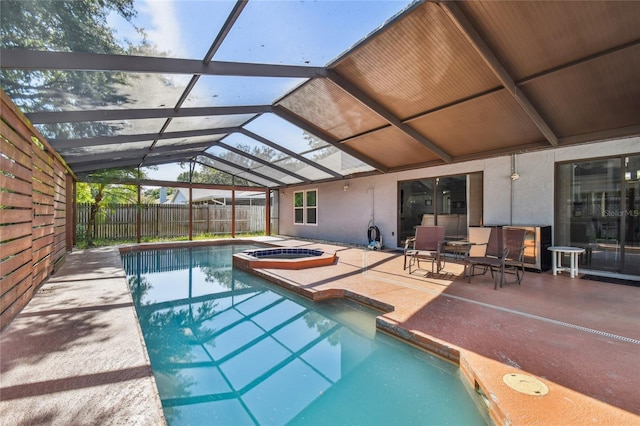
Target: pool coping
x=91 y=274
x=247 y=261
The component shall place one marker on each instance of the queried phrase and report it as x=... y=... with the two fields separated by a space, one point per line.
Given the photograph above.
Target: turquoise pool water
x=228 y=348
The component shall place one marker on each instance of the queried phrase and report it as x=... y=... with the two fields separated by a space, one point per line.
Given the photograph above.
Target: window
x=305 y=206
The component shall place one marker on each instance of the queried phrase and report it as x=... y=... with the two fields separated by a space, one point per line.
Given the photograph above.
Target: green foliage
x=79 y=26
x=101 y=190
x=65 y=26
x=152 y=195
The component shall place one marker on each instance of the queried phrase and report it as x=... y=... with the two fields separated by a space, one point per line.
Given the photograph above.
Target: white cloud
x=163 y=30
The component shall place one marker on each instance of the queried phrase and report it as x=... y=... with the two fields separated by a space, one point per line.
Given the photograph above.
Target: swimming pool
x=228 y=348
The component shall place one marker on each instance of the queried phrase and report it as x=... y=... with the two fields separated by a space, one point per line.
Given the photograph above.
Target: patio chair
x=479 y=239
x=504 y=255
x=513 y=261
x=426 y=245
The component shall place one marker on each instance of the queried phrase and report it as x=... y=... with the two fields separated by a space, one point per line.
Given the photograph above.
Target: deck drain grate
x=525 y=384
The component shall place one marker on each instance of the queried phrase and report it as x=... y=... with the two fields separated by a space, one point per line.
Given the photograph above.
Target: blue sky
x=279 y=32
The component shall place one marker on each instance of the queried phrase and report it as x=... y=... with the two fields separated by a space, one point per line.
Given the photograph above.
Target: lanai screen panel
x=179 y=124
x=86 y=154
x=309 y=33
x=234 y=91
x=84 y=132
x=250 y=165
x=283 y=133
x=329 y=107
x=234 y=171
x=180 y=143
x=338 y=161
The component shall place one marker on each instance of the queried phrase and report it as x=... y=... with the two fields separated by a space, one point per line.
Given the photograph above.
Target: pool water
x=228 y=348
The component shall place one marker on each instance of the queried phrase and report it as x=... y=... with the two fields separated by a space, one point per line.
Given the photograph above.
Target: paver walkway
x=75 y=355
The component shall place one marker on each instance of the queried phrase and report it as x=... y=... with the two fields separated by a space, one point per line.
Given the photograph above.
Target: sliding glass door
x=598 y=208
x=454 y=202
x=631 y=215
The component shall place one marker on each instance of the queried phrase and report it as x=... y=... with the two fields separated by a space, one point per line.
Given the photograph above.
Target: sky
x=312 y=33
x=168 y=172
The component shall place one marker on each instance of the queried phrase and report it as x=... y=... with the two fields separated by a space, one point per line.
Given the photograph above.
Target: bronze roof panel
x=392 y=148
x=417 y=64
x=491 y=123
x=532 y=36
x=597 y=95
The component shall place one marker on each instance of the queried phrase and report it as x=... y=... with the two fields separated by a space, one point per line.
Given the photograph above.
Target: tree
x=75 y=26
x=101 y=191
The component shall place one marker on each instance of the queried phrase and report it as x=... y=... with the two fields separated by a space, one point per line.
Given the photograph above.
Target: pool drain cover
x=525 y=384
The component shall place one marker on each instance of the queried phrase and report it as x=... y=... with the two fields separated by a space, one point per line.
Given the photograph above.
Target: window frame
x=302 y=210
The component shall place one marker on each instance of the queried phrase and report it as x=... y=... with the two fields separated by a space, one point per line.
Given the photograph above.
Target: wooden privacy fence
x=33 y=220
x=119 y=221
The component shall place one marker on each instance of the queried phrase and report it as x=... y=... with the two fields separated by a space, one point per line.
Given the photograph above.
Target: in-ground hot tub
x=283 y=258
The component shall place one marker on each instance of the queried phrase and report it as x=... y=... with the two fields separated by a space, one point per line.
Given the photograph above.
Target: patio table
x=556 y=259
x=459 y=247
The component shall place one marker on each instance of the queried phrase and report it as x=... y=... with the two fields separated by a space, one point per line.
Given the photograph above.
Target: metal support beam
x=233 y=213
x=139 y=214
x=466 y=28
x=290 y=153
x=231 y=19
x=261 y=185
x=287 y=115
x=132 y=162
x=190 y=214
x=267 y=212
x=226 y=28
x=134 y=153
x=174 y=184
x=48 y=117
x=365 y=100
x=240 y=168
x=82 y=61
x=140 y=137
x=266 y=163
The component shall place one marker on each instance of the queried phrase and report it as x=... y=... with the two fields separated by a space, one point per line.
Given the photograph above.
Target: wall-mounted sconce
x=515 y=176
x=345 y=188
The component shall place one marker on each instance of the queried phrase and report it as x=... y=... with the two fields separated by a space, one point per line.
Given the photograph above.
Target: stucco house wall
x=345 y=215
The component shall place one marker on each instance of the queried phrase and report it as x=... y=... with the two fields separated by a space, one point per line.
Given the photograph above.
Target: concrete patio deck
x=75 y=354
